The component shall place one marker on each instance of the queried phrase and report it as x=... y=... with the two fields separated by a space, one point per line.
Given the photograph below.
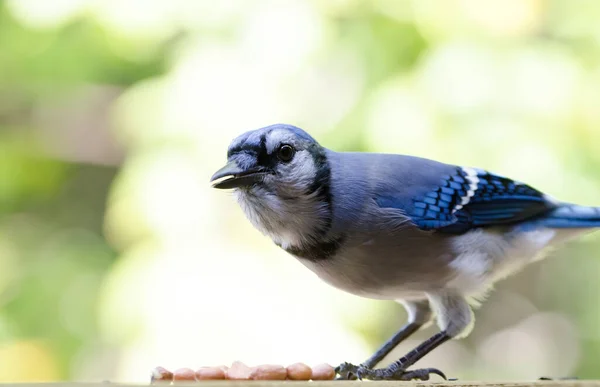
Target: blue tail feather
x=572 y=216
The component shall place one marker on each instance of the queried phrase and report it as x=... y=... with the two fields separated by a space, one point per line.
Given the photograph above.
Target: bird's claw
x=422 y=374
x=347 y=371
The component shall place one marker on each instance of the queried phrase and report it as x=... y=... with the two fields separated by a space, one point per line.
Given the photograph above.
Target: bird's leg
x=398 y=369
x=419 y=313
x=455 y=319
x=348 y=371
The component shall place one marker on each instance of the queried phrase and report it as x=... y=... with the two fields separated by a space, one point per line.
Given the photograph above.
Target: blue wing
x=471 y=198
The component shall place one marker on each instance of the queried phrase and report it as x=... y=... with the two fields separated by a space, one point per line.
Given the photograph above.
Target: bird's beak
x=235 y=176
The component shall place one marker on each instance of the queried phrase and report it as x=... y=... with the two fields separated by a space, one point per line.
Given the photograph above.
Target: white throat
x=289 y=223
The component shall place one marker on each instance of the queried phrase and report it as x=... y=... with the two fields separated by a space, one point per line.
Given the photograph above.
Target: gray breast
x=383 y=254
x=388 y=263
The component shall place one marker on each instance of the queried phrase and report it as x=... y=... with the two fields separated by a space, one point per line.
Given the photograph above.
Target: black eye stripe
x=263 y=144
x=285 y=152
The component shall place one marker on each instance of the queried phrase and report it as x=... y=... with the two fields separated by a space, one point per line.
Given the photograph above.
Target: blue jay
x=431 y=236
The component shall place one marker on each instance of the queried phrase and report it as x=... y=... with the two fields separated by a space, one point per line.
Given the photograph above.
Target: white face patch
x=289 y=223
x=473 y=180
x=283 y=207
x=277 y=137
x=296 y=176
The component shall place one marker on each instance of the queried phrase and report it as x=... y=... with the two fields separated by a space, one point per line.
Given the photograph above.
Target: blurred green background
x=115 y=254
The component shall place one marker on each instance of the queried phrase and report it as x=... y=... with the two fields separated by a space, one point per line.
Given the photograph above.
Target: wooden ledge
x=258 y=383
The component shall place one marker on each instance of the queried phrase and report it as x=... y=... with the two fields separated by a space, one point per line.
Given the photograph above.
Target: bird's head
x=280 y=176
x=281 y=159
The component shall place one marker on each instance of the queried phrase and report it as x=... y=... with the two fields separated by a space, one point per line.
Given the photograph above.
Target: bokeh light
x=117 y=256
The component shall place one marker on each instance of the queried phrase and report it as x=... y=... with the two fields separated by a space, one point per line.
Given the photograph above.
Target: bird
x=431 y=236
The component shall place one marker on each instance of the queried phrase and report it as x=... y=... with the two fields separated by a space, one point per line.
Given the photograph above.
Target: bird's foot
x=398 y=374
x=347 y=371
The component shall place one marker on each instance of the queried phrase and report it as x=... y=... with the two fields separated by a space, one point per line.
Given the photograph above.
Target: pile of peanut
x=240 y=371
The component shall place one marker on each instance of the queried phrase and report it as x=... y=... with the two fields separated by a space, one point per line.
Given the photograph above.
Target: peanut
x=184 y=374
x=209 y=373
x=299 y=371
x=268 y=372
x=160 y=374
x=238 y=371
x=323 y=372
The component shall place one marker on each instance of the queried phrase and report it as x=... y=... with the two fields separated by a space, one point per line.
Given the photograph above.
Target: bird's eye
x=285 y=153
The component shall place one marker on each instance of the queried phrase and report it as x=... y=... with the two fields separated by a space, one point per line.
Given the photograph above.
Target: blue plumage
x=472 y=198
x=571 y=216
x=357 y=221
